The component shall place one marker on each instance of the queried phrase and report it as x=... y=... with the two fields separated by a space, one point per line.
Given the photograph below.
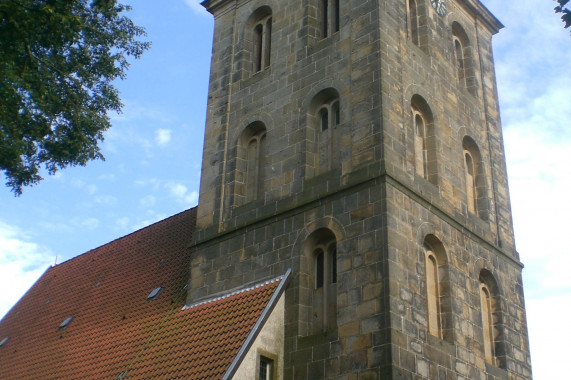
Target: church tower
x=359 y=143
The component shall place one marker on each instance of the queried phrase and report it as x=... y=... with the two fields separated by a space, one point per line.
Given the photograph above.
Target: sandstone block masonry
x=361 y=147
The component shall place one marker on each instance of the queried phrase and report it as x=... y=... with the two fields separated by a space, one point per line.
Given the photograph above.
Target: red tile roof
x=114 y=328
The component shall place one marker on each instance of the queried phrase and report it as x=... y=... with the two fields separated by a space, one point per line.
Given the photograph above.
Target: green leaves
x=59 y=59
x=566 y=13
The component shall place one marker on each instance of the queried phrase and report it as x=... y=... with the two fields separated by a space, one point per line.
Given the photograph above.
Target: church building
x=354 y=218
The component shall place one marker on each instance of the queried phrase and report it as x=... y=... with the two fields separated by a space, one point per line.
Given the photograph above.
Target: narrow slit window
x=487 y=324
x=333 y=260
x=336 y=113
x=329 y=17
x=470 y=182
x=325 y=18
x=267 y=42
x=258 y=37
x=319 y=268
x=324 y=116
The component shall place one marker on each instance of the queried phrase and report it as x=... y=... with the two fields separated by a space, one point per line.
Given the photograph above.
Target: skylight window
x=152 y=295
x=4 y=341
x=66 y=322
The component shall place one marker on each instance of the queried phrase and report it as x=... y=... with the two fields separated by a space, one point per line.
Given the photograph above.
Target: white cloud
x=122 y=222
x=154 y=183
x=548 y=319
x=107 y=176
x=196 y=7
x=55 y=227
x=91 y=189
x=151 y=218
x=531 y=56
x=22 y=263
x=107 y=200
x=133 y=111
x=147 y=201
x=80 y=184
x=90 y=223
x=181 y=194
x=163 y=137
x=77 y=183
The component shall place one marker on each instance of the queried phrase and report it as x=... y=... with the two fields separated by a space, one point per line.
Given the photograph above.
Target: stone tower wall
x=372 y=199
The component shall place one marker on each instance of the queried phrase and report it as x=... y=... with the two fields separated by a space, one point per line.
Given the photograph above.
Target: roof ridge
x=233 y=293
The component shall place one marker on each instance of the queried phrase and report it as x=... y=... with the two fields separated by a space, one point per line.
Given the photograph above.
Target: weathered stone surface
x=372 y=197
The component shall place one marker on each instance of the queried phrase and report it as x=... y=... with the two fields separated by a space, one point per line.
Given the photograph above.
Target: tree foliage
x=58 y=61
x=565 y=12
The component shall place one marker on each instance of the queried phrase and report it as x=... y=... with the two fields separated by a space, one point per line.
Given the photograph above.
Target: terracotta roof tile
x=114 y=327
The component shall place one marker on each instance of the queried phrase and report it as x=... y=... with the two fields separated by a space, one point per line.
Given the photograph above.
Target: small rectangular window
x=266 y=368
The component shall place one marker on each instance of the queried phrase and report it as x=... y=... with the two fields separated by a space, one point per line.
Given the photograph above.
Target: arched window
x=432 y=293
x=324 y=308
x=465 y=71
x=470 y=181
x=420 y=151
x=324 y=117
x=329 y=17
x=258 y=39
x=475 y=179
x=417 y=23
x=438 y=300
x=459 y=55
x=254 y=178
x=425 y=164
x=250 y=164
x=487 y=323
x=492 y=331
x=329 y=119
x=318 y=276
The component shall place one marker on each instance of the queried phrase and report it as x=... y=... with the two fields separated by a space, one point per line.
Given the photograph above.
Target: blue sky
x=154 y=153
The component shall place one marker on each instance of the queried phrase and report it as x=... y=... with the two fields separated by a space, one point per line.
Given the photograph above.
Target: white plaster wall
x=269 y=341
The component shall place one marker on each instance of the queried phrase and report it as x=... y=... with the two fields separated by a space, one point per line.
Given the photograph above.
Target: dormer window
x=154 y=293
x=65 y=323
x=4 y=341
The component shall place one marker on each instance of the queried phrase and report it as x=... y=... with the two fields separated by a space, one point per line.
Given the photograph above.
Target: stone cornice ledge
x=378 y=177
x=449 y=218
x=213 y=6
x=482 y=13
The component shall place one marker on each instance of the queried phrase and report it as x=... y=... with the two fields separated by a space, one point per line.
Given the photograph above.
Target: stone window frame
x=269 y=358
x=463 y=59
x=329 y=118
x=258 y=41
x=320 y=300
x=324 y=118
x=476 y=184
x=329 y=17
x=491 y=316
x=424 y=141
x=417 y=23
x=438 y=306
x=250 y=161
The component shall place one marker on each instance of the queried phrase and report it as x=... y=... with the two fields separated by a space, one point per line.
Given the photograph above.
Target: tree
x=58 y=61
x=566 y=13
